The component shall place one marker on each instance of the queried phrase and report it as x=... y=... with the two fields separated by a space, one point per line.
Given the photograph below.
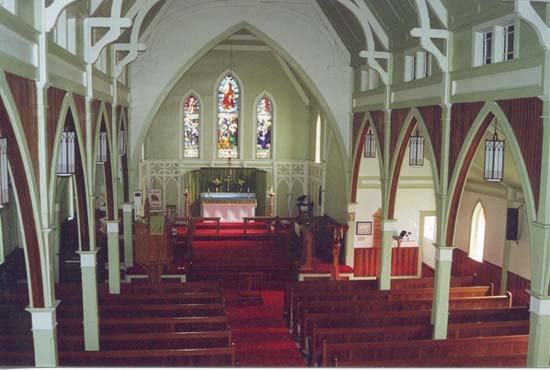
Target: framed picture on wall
x=155 y=198
x=363 y=228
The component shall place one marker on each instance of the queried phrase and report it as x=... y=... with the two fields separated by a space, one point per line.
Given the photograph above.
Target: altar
x=229 y=207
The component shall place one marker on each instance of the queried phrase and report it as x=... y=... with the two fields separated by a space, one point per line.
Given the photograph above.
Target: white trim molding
x=43 y=318
x=539 y=305
x=443 y=254
x=88 y=259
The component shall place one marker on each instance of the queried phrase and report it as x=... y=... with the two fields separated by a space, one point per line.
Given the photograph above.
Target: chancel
x=277 y=183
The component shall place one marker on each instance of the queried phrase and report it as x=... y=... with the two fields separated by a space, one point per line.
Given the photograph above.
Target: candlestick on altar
x=271 y=195
x=187 y=203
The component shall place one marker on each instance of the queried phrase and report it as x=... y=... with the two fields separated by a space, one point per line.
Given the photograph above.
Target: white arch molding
x=318 y=55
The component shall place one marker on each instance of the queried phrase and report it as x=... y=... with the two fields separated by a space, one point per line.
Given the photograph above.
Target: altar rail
x=272 y=224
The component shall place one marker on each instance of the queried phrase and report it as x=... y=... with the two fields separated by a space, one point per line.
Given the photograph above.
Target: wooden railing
x=272 y=224
x=404 y=261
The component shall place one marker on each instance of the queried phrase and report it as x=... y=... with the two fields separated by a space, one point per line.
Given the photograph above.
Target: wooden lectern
x=153 y=252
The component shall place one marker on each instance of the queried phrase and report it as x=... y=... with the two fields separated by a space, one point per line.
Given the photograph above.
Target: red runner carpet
x=261 y=338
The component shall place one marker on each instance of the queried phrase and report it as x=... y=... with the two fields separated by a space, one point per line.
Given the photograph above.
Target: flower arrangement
x=216 y=182
x=241 y=182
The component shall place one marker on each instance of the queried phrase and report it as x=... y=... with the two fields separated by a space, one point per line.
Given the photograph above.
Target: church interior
x=316 y=183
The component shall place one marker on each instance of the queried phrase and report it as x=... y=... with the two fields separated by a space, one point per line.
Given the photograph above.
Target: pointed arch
x=192 y=125
x=143 y=118
x=477 y=232
x=69 y=119
x=466 y=155
x=103 y=124
x=68 y=107
x=414 y=119
x=366 y=125
x=228 y=95
x=25 y=189
x=265 y=130
x=123 y=159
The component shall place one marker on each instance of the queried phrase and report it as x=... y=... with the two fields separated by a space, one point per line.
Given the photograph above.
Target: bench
x=210 y=357
x=423 y=317
x=293 y=289
x=147 y=325
x=361 y=294
x=426 y=352
x=391 y=305
x=148 y=310
x=410 y=332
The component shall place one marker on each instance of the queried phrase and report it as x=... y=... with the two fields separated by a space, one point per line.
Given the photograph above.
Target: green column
x=56 y=241
x=113 y=256
x=127 y=220
x=442 y=283
x=538 y=354
x=384 y=275
x=88 y=261
x=44 y=334
x=350 y=237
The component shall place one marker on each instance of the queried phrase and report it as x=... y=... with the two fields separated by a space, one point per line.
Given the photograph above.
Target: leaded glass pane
x=264 y=126
x=191 y=127
x=228 y=118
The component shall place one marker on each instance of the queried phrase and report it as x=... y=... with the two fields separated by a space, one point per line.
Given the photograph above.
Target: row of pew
x=352 y=324
x=169 y=324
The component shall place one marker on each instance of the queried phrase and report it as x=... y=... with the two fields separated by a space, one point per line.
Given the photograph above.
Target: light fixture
x=416 y=150
x=4 y=188
x=494 y=158
x=102 y=149
x=66 y=161
x=122 y=142
x=370 y=145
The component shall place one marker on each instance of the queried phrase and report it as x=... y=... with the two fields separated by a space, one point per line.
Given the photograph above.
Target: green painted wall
x=335 y=185
x=258 y=71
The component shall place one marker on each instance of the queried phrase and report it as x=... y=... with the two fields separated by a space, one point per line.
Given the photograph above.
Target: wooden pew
x=73 y=326
x=410 y=332
x=293 y=289
x=398 y=295
x=423 y=317
x=392 y=305
x=210 y=357
x=148 y=310
x=422 y=352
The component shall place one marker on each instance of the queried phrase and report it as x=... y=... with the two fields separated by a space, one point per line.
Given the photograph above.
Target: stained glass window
x=264 y=127
x=228 y=118
x=191 y=127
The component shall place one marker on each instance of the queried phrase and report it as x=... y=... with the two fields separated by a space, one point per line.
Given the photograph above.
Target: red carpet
x=261 y=338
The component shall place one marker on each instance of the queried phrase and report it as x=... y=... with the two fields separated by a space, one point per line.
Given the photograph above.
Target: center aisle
x=261 y=338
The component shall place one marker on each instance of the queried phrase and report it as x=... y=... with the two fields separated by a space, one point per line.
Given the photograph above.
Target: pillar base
x=44 y=334
x=384 y=276
x=442 y=284
x=113 y=253
x=88 y=262
x=538 y=354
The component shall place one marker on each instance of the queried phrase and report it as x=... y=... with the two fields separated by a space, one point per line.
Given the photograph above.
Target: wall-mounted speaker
x=512 y=224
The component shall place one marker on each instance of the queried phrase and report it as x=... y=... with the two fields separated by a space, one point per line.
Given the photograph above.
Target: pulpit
x=153 y=248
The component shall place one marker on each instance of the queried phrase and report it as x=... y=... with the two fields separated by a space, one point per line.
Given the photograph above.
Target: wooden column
x=308 y=245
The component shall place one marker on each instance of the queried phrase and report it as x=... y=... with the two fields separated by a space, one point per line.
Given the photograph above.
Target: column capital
x=127 y=207
x=443 y=253
x=88 y=258
x=112 y=226
x=389 y=225
x=540 y=304
x=43 y=318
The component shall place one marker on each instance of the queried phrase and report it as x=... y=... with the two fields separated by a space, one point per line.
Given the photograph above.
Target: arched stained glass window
x=191 y=127
x=264 y=127
x=477 y=233
x=229 y=95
